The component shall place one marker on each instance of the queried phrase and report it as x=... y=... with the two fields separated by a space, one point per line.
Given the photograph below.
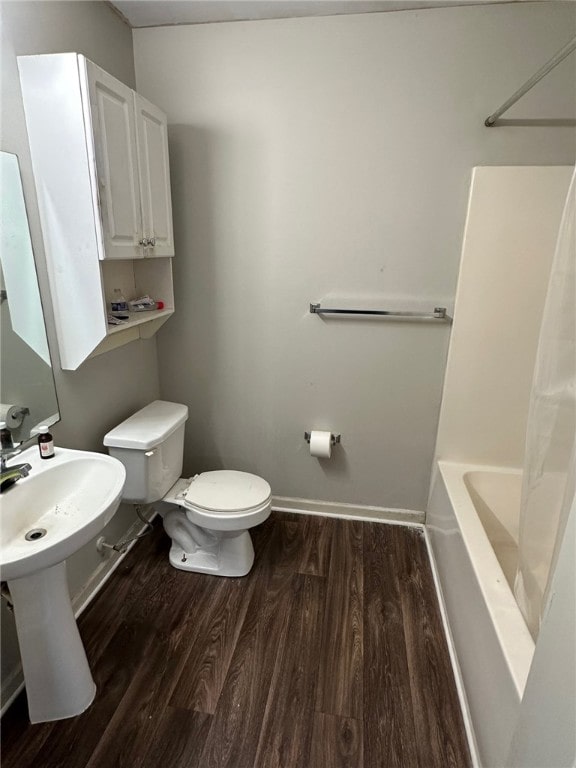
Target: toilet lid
x=227 y=491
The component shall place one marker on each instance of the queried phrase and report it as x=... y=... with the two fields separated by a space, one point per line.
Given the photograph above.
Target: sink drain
x=35 y=533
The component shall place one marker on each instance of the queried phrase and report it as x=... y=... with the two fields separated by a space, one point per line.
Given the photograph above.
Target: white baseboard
x=347 y=511
x=14 y=682
x=474 y=754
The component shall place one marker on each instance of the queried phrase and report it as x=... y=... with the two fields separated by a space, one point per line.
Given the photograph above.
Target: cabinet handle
x=144 y=242
x=152 y=241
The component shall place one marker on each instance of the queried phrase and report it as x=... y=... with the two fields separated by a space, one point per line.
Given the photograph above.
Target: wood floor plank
x=439 y=727
x=285 y=551
x=389 y=735
x=172 y=623
x=286 y=733
x=203 y=674
x=121 y=592
x=317 y=541
x=177 y=741
x=204 y=671
x=234 y=735
x=337 y=743
x=340 y=680
x=22 y=742
x=130 y=732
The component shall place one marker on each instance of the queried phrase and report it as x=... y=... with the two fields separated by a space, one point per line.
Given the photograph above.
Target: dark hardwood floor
x=329 y=654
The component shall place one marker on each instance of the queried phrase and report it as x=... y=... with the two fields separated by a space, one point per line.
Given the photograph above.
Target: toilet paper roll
x=320 y=444
x=13 y=415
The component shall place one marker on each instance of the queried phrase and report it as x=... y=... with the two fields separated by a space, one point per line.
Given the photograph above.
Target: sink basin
x=62 y=504
x=44 y=518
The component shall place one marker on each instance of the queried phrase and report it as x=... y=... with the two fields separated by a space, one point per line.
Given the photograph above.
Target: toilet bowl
x=206 y=516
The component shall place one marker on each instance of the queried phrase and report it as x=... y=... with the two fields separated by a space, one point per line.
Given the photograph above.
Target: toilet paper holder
x=333 y=438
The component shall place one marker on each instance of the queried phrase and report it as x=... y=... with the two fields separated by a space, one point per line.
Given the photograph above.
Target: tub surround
x=473 y=511
x=511 y=229
x=496 y=497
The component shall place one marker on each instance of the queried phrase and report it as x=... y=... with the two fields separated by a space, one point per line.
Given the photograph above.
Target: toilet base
x=220 y=553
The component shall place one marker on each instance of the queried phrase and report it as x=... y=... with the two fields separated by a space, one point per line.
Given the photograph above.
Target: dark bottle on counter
x=45 y=442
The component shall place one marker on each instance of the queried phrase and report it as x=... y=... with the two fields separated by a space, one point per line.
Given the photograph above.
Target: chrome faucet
x=10 y=475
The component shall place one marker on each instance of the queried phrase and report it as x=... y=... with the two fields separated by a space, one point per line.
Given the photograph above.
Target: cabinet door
x=154 y=170
x=114 y=136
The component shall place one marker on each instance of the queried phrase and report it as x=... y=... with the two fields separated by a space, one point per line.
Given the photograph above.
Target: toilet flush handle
x=149 y=453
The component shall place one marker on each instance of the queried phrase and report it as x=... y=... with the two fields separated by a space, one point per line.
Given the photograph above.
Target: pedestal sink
x=44 y=518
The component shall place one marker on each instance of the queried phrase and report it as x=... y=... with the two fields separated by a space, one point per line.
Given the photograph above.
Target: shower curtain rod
x=569 y=48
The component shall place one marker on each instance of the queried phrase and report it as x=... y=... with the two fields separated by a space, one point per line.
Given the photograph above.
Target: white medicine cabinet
x=100 y=160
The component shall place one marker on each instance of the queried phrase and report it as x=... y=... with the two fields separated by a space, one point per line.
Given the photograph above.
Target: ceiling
x=157 y=13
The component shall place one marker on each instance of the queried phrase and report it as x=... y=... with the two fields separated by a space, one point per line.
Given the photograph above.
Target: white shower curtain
x=550 y=460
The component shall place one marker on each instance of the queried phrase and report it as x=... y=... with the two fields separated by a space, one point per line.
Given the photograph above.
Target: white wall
x=106 y=389
x=329 y=160
x=511 y=232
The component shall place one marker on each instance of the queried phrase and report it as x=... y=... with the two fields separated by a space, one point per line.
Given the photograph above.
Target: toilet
x=206 y=516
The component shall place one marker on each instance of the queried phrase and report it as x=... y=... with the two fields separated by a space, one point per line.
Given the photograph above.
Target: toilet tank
x=150 y=444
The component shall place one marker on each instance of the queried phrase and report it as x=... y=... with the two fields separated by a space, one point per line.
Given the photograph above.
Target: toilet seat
x=223 y=500
x=224 y=492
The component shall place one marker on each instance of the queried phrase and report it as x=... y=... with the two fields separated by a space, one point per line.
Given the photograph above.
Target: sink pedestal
x=48 y=516
x=58 y=680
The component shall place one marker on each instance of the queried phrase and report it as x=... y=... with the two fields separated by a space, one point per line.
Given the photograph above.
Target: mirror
x=27 y=389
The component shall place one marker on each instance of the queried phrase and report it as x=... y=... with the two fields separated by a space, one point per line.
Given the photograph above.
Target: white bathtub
x=470 y=505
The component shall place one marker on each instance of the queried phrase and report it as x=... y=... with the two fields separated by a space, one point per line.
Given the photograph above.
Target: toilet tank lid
x=148 y=427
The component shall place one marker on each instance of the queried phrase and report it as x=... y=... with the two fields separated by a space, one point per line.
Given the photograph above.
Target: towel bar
x=439 y=313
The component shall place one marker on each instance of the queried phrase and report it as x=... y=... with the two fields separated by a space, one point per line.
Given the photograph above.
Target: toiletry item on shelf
x=143 y=304
x=117 y=319
x=45 y=442
x=5 y=437
x=118 y=303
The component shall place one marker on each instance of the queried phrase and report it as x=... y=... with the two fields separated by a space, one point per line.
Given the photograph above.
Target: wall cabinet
x=133 y=176
x=100 y=161
x=154 y=177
